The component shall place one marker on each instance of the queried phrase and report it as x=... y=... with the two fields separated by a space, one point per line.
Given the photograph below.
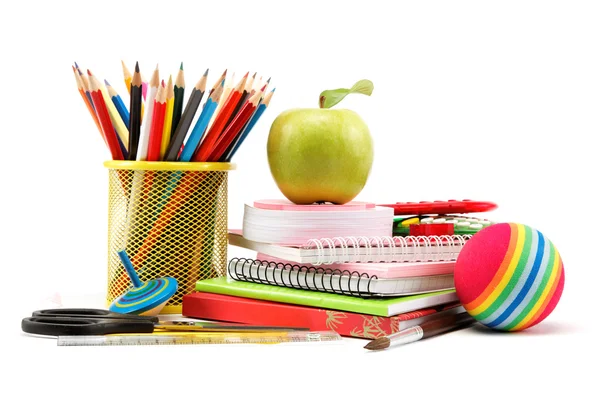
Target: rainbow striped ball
x=509 y=277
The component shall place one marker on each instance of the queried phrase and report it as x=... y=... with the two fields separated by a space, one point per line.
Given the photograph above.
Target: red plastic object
x=441 y=207
x=431 y=229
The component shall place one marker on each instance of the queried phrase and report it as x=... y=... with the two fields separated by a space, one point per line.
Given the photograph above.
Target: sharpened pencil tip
x=76 y=66
x=162 y=83
x=247 y=73
x=263 y=88
x=74 y=69
x=137 y=67
x=106 y=83
x=89 y=72
x=181 y=66
x=206 y=72
x=273 y=89
x=254 y=76
x=269 y=80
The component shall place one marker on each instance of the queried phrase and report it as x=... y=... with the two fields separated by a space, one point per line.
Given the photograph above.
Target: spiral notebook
x=334 y=280
x=360 y=248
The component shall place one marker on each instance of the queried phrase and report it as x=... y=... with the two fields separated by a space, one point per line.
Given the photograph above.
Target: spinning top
x=147 y=298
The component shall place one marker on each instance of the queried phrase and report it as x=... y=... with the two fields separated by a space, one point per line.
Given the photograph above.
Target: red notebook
x=226 y=308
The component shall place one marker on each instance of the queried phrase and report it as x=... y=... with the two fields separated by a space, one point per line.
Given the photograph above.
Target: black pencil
x=186 y=119
x=178 y=92
x=135 y=107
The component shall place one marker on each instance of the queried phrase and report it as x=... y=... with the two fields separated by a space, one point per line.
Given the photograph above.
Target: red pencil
x=235 y=127
x=104 y=118
x=158 y=122
x=215 y=130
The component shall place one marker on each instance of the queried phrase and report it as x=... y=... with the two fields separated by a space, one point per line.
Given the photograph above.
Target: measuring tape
x=183 y=338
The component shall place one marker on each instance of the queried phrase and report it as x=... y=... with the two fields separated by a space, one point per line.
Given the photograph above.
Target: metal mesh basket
x=172 y=220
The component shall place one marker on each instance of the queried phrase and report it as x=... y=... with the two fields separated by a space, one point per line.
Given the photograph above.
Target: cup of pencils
x=168 y=173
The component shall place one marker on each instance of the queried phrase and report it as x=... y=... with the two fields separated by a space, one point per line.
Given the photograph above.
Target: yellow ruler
x=183 y=338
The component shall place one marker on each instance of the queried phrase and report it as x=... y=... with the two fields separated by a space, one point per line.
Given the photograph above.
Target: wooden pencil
x=186 y=119
x=158 y=121
x=243 y=98
x=264 y=103
x=135 y=117
x=217 y=127
x=200 y=128
x=225 y=96
x=142 y=154
x=85 y=83
x=104 y=118
x=233 y=129
x=178 y=92
x=127 y=77
x=118 y=103
x=87 y=101
x=115 y=117
x=219 y=82
x=166 y=136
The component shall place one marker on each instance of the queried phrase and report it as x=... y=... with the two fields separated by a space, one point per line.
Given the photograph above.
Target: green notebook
x=385 y=307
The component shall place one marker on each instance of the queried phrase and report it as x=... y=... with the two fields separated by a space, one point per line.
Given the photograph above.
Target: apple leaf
x=330 y=98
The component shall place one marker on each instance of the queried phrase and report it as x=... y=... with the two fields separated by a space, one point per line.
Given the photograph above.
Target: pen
x=423 y=331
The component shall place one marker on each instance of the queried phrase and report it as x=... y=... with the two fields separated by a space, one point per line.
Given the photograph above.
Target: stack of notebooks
x=319 y=270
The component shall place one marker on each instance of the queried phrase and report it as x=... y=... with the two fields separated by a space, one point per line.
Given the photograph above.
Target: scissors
x=85 y=321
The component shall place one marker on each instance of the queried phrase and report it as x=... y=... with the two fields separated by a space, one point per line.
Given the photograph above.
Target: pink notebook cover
x=381 y=270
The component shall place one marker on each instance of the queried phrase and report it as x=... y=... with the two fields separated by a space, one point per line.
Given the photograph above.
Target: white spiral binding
x=348 y=249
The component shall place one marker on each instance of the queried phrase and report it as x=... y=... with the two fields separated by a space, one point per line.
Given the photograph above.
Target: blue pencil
x=200 y=128
x=118 y=102
x=259 y=111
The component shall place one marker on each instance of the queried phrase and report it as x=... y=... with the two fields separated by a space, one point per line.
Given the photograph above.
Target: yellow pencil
x=115 y=117
x=166 y=136
x=127 y=77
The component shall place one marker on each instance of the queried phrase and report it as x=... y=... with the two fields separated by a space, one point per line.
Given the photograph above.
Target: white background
x=484 y=100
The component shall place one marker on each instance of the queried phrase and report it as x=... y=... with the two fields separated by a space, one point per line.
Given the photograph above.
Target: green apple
x=320 y=155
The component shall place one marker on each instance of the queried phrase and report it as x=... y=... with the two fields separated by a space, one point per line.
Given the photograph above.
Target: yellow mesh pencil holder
x=171 y=217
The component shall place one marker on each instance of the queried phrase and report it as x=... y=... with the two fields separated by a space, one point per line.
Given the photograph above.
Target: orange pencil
x=87 y=102
x=104 y=118
x=217 y=127
x=158 y=123
x=235 y=127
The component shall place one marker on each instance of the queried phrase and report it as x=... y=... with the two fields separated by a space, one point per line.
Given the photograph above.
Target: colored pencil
x=186 y=119
x=117 y=121
x=224 y=97
x=158 y=121
x=142 y=154
x=87 y=102
x=104 y=118
x=135 y=105
x=217 y=127
x=118 y=103
x=166 y=136
x=197 y=133
x=179 y=91
x=85 y=83
x=219 y=82
x=248 y=128
x=242 y=100
x=127 y=77
x=233 y=129
x=145 y=87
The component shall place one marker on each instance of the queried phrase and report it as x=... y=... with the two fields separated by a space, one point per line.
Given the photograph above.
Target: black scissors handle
x=90 y=313
x=62 y=326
